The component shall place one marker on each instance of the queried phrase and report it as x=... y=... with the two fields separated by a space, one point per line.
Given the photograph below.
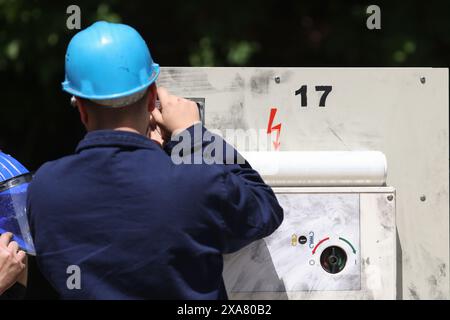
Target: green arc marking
x=348 y=242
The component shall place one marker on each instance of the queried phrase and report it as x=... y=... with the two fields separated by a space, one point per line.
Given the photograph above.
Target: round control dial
x=333 y=259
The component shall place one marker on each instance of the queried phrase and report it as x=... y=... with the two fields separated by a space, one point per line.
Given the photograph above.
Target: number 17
x=304 y=99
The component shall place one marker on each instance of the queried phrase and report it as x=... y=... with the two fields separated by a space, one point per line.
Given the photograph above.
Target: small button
x=302 y=240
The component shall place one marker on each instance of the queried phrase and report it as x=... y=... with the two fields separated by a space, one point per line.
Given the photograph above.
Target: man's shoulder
x=52 y=164
x=51 y=169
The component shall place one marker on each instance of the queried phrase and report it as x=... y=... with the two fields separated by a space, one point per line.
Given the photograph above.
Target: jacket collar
x=105 y=138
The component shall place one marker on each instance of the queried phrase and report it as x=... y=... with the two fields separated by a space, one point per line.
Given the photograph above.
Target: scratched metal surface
x=386 y=109
x=273 y=268
x=297 y=266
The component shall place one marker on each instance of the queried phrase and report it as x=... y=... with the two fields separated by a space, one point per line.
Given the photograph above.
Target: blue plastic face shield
x=13 y=215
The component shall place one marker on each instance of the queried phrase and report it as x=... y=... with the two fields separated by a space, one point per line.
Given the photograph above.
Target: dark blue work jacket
x=120 y=220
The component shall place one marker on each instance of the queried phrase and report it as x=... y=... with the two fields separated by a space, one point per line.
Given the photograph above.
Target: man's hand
x=12 y=261
x=155 y=133
x=176 y=114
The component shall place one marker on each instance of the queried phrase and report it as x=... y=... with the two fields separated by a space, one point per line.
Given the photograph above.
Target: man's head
x=111 y=73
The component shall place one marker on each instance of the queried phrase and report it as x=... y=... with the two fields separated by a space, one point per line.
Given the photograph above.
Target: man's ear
x=83 y=113
x=152 y=96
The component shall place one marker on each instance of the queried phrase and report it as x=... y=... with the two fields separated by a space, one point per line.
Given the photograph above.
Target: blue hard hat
x=10 y=167
x=14 y=181
x=108 y=61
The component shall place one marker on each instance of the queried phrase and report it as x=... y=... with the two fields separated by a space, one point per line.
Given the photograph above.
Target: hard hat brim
x=155 y=73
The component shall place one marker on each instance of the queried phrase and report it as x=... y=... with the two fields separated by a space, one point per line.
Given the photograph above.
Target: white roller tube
x=319 y=168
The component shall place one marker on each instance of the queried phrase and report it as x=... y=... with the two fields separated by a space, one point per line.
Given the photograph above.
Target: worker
x=15 y=236
x=119 y=219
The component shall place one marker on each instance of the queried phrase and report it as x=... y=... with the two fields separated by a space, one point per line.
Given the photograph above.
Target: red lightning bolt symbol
x=271 y=128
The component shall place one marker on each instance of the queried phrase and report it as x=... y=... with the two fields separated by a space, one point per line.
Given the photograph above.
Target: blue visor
x=13 y=212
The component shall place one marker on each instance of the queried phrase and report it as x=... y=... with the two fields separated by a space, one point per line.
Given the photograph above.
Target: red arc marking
x=277 y=128
x=319 y=243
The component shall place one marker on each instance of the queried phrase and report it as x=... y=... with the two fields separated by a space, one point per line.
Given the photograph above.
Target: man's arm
x=249 y=208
